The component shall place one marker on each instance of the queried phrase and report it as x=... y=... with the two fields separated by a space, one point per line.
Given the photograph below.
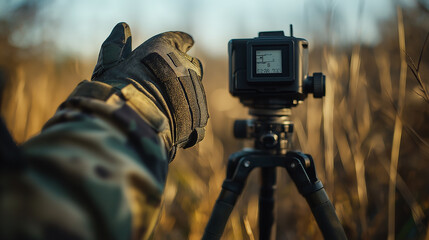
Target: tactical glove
x=161 y=69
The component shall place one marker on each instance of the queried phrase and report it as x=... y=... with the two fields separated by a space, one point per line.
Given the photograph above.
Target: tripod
x=271 y=130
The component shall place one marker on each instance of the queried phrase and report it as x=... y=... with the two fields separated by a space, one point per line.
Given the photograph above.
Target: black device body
x=257 y=85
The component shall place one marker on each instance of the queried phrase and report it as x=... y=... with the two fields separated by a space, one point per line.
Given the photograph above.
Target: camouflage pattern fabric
x=97 y=170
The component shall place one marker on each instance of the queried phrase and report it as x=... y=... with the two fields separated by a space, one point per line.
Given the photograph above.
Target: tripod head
x=271 y=129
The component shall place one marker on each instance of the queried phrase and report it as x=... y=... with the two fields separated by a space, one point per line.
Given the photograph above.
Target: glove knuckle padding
x=180 y=40
x=184 y=95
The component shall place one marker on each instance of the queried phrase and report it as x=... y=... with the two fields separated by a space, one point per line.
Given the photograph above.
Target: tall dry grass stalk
x=398 y=128
x=328 y=122
x=355 y=106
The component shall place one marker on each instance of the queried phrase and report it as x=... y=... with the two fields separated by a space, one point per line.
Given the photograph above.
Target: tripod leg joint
x=233 y=186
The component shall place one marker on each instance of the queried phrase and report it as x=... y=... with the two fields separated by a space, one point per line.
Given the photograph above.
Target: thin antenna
x=291 y=30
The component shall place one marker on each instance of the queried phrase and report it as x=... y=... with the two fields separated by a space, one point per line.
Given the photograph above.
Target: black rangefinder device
x=271 y=71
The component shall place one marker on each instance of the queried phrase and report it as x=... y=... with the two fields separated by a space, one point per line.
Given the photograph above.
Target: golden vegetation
x=369 y=137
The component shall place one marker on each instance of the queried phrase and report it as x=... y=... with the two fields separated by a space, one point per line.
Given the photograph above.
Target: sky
x=80 y=26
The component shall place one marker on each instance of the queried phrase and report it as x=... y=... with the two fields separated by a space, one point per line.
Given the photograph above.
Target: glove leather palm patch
x=186 y=98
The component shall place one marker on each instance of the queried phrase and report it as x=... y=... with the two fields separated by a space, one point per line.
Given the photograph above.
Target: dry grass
x=368 y=138
x=397 y=132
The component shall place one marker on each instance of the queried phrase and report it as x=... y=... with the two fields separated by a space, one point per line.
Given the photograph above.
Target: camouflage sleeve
x=96 y=171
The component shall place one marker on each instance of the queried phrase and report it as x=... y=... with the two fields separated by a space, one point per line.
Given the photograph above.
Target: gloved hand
x=161 y=69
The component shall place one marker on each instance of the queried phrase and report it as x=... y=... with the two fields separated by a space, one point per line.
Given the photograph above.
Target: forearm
x=99 y=167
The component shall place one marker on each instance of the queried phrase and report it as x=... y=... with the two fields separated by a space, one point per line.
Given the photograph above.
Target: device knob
x=318 y=85
x=315 y=84
x=269 y=140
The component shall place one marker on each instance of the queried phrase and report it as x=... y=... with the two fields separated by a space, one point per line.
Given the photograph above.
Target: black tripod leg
x=324 y=213
x=266 y=203
x=303 y=172
x=220 y=214
x=239 y=168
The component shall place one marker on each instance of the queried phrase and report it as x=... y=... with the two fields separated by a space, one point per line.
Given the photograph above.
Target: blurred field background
x=369 y=136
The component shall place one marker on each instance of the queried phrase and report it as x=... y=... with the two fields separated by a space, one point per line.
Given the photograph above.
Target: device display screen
x=268 y=61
